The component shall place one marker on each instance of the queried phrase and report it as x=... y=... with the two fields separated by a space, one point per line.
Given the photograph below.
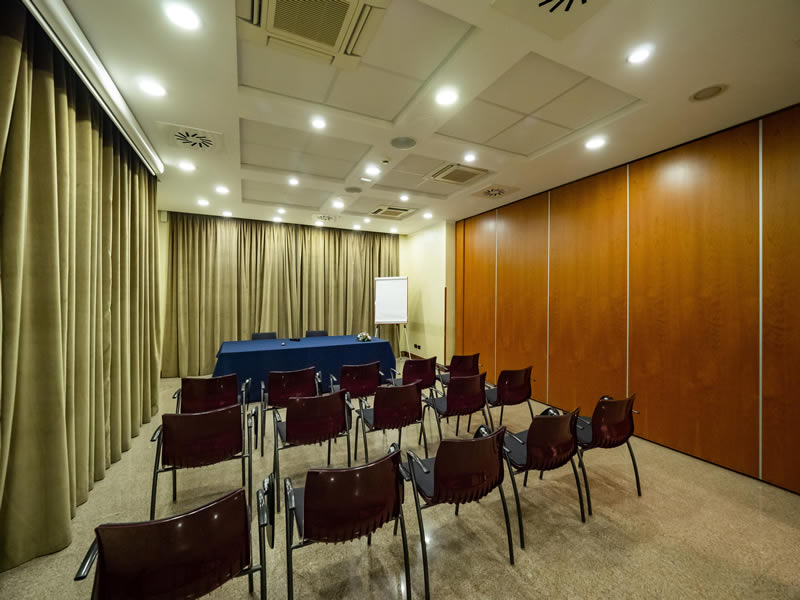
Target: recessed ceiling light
x=182 y=16
x=367 y=219
x=202 y=202
x=446 y=96
x=294 y=181
x=186 y=166
x=318 y=223
x=372 y=170
x=356 y=226
x=366 y=179
x=640 y=55
x=708 y=92
x=338 y=203
x=469 y=157
x=404 y=197
x=277 y=219
x=227 y=213
x=393 y=230
x=595 y=142
x=318 y=122
x=428 y=215
x=151 y=87
x=282 y=211
x=221 y=189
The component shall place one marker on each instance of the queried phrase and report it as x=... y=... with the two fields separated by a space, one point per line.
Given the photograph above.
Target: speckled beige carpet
x=698 y=531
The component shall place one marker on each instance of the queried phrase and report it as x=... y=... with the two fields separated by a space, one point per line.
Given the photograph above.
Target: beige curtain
x=78 y=286
x=231 y=277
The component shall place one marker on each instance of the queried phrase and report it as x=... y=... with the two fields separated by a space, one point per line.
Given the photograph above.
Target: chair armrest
x=442 y=368
x=289 y=492
x=244 y=390
x=156 y=434
x=482 y=431
x=489 y=386
x=348 y=402
x=416 y=459
x=332 y=379
x=87 y=562
x=395 y=373
x=393 y=447
x=177 y=396
x=381 y=374
x=266 y=508
x=508 y=433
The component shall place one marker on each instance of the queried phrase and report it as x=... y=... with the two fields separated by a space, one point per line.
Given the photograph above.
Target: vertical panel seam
x=627 y=278
x=760 y=294
x=494 y=367
x=547 y=362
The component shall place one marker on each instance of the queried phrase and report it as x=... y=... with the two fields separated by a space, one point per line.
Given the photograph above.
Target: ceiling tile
x=585 y=103
x=415 y=163
x=294 y=162
x=439 y=187
x=323 y=145
x=478 y=121
x=371 y=91
x=400 y=180
x=277 y=195
x=283 y=73
x=527 y=136
x=531 y=83
x=414 y=39
x=265 y=134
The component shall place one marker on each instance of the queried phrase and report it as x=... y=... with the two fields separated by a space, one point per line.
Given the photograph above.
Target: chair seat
x=438 y=403
x=424 y=480
x=444 y=378
x=397 y=380
x=585 y=434
x=518 y=453
x=368 y=414
x=491 y=397
x=299 y=512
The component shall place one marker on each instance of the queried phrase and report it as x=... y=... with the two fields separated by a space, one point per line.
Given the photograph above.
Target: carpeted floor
x=698 y=531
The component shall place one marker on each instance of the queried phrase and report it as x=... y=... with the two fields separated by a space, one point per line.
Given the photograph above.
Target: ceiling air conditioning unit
x=457 y=174
x=391 y=212
x=337 y=32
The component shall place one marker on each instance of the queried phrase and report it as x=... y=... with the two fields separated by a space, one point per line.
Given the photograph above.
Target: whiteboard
x=391 y=300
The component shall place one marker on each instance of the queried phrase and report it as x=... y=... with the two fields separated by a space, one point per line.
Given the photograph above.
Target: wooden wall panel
x=459 y=316
x=694 y=297
x=479 y=288
x=588 y=290
x=522 y=289
x=781 y=325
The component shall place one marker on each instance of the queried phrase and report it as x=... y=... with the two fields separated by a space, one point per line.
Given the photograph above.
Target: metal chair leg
x=525 y=481
x=458 y=422
x=263 y=429
x=456 y=508
x=399 y=437
x=329 y=453
x=585 y=482
x=485 y=420
x=578 y=485
x=635 y=468
x=348 y=444
x=469 y=422
x=519 y=507
x=364 y=433
x=422 y=421
x=508 y=525
x=421 y=533
x=491 y=420
x=541 y=475
x=530 y=408
x=405 y=551
x=424 y=436
x=439 y=424
x=155 y=482
x=502 y=408
x=174 y=484
x=289 y=536
x=276 y=468
x=355 y=453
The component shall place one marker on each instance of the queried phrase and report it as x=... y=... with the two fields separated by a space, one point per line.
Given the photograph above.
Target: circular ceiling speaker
x=353 y=189
x=404 y=143
x=709 y=92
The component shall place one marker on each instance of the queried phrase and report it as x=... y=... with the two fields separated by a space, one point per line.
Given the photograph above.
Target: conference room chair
x=341 y=505
x=421 y=370
x=200 y=394
x=264 y=335
x=461 y=365
x=549 y=443
x=186 y=441
x=283 y=385
x=610 y=426
x=184 y=556
x=317 y=333
x=358 y=381
x=394 y=407
x=465 y=396
x=462 y=471
x=311 y=420
x=513 y=387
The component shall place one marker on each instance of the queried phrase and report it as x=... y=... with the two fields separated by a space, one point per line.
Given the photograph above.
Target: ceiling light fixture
x=393 y=230
x=227 y=213
x=151 y=87
x=202 y=202
x=708 y=92
x=318 y=223
x=277 y=219
x=338 y=203
x=404 y=197
x=318 y=122
x=182 y=16
x=428 y=215
x=446 y=96
x=640 y=55
x=186 y=166
x=356 y=226
x=595 y=142
x=221 y=189
x=367 y=219
x=372 y=170
x=294 y=181
x=469 y=157
x=282 y=211
x=366 y=179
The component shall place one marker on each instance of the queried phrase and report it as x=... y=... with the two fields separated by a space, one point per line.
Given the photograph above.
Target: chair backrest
x=467 y=470
x=422 y=370
x=345 y=504
x=552 y=440
x=198 y=439
x=612 y=422
x=360 y=380
x=317 y=333
x=397 y=406
x=462 y=365
x=201 y=394
x=514 y=386
x=315 y=419
x=466 y=395
x=265 y=335
x=282 y=385
x=185 y=556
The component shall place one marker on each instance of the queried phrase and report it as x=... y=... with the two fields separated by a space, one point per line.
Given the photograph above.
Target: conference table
x=254 y=359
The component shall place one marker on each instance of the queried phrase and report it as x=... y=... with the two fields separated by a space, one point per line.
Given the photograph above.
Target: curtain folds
x=79 y=296
x=229 y=278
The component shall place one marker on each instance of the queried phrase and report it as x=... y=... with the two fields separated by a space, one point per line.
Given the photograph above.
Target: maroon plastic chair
x=611 y=426
x=394 y=407
x=311 y=420
x=359 y=381
x=465 y=395
x=462 y=471
x=201 y=394
x=185 y=556
x=461 y=365
x=422 y=370
x=549 y=443
x=340 y=505
x=192 y=440
x=513 y=387
x=283 y=385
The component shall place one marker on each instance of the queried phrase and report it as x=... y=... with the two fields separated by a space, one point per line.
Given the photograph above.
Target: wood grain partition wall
x=781 y=392
x=678 y=236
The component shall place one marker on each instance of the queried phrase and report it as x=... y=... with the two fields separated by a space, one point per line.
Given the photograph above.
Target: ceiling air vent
x=457 y=174
x=324 y=218
x=391 y=212
x=190 y=138
x=495 y=191
x=337 y=32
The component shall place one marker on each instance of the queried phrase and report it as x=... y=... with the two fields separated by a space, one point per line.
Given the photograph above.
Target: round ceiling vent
x=558 y=3
x=353 y=189
x=193 y=139
x=494 y=192
x=325 y=218
x=404 y=143
x=709 y=92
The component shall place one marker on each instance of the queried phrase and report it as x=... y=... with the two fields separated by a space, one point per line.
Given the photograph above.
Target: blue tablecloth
x=256 y=358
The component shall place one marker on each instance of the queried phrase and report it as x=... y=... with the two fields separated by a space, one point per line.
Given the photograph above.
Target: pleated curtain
x=231 y=277
x=79 y=291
